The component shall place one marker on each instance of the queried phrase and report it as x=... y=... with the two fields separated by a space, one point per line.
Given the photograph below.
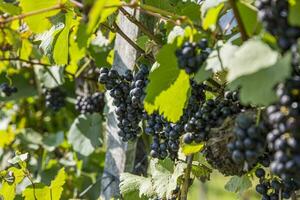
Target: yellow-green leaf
x=8 y=191
x=9 y=8
x=171 y=102
x=38 y=192
x=189 y=149
x=61 y=46
x=76 y=53
x=40 y=22
x=7 y=137
x=25 y=49
x=249 y=17
x=100 y=12
x=211 y=17
x=57 y=183
x=43 y=192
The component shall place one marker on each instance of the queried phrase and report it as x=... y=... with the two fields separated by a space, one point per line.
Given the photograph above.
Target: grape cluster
x=8 y=90
x=191 y=56
x=250 y=140
x=272 y=188
x=274 y=15
x=284 y=139
x=54 y=98
x=165 y=136
x=209 y=115
x=128 y=93
x=155 y=128
x=90 y=104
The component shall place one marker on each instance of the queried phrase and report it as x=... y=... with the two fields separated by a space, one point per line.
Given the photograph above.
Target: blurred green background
x=214 y=190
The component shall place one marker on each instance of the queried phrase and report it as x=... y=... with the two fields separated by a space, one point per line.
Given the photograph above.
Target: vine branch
x=141 y=26
x=35 y=12
x=44 y=65
x=117 y=29
x=162 y=12
x=239 y=20
x=132 y=43
x=186 y=183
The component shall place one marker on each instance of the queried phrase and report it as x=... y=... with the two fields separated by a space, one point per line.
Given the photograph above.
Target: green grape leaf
x=146 y=188
x=191 y=10
x=51 y=141
x=142 y=41
x=238 y=184
x=47 y=38
x=99 y=13
x=165 y=179
x=166 y=80
x=294 y=14
x=201 y=172
x=172 y=108
x=249 y=58
x=56 y=186
x=203 y=74
x=26 y=49
x=161 y=4
x=131 y=183
x=163 y=73
x=61 y=46
x=43 y=192
x=249 y=17
x=210 y=4
x=76 y=53
x=38 y=192
x=9 y=8
x=40 y=22
x=189 y=149
x=8 y=189
x=7 y=137
x=211 y=17
x=85 y=133
x=257 y=88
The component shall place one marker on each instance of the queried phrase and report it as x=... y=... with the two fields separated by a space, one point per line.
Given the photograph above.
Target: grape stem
x=239 y=20
x=258 y=116
x=186 y=183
